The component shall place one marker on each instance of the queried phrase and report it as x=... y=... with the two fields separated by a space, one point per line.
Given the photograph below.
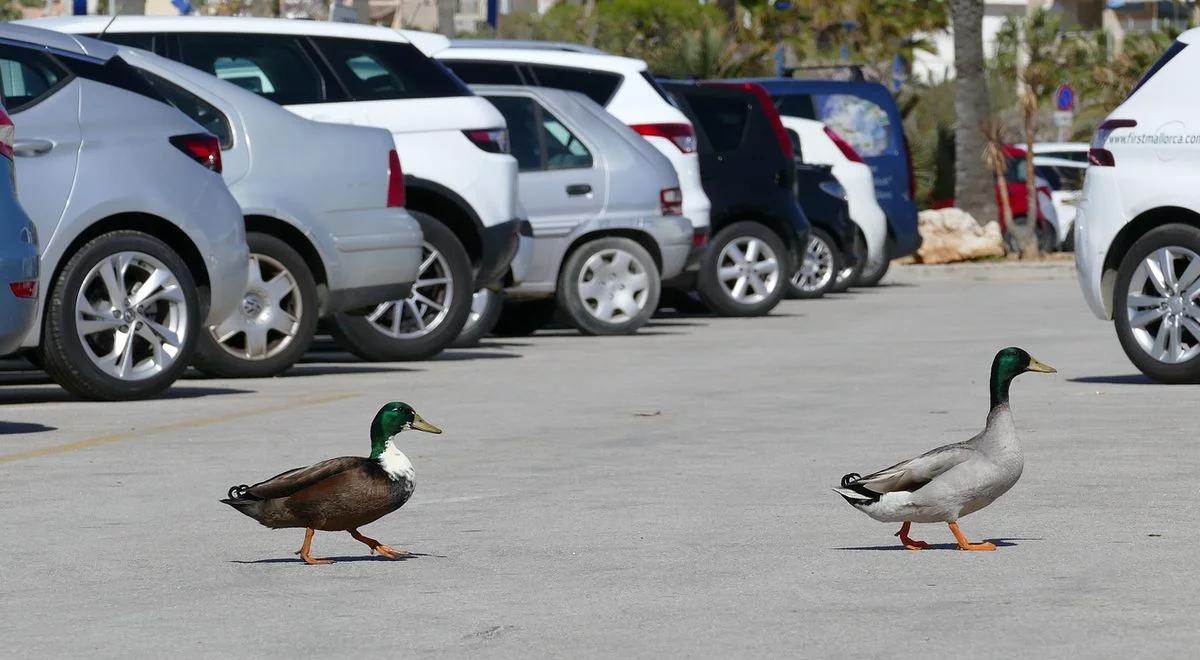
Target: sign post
x=1064 y=110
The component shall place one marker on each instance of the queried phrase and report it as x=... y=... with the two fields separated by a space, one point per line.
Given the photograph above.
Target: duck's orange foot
x=390 y=553
x=910 y=544
x=306 y=550
x=964 y=544
x=312 y=561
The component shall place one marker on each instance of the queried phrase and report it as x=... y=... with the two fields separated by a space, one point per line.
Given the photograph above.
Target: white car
x=622 y=85
x=461 y=182
x=1137 y=231
x=1065 y=179
x=820 y=145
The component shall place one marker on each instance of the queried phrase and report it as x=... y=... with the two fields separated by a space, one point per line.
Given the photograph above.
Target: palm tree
x=973 y=182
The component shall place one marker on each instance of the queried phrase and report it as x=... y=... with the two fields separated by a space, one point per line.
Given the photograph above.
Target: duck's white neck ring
x=395 y=463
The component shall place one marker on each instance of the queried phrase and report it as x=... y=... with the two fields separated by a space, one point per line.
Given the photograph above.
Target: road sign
x=1064 y=98
x=1063 y=119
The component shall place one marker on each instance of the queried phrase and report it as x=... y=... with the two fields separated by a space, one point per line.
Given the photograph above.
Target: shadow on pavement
x=999 y=543
x=1125 y=379
x=348 y=560
x=51 y=393
x=13 y=428
x=455 y=354
x=321 y=368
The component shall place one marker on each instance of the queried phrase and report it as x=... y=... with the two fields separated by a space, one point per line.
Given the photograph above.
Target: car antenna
x=108 y=25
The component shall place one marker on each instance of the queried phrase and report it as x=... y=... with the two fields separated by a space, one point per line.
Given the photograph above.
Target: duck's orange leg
x=964 y=544
x=375 y=546
x=909 y=543
x=306 y=549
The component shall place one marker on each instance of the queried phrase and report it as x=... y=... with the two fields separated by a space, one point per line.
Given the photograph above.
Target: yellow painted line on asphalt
x=110 y=438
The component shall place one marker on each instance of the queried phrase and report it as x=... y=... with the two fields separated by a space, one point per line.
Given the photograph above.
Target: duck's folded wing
x=287 y=483
x=913 y=473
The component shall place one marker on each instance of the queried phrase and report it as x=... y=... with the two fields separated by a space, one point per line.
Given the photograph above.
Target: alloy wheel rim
x=817 y=268
x=613 y=285
x=426 y=307
x=268 y=319
x=131 y=316
x=1161 y=305
x=748 y=269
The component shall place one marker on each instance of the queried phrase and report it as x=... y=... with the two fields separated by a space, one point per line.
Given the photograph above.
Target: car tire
x=404 y=330
x=815 y=274
x=523 y=318
x=485 y=311
x=848 y=276
x=129 y=333
x=873 y=276
x=730 y=297
x=287 y=318
x=1153 y=329
x=609 y=286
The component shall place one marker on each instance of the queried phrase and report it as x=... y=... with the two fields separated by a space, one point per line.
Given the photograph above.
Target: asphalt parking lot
x=666 y=494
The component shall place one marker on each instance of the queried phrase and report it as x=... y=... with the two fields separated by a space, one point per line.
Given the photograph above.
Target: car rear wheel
x=430 y=319
x=609 y=286
x=1156 y=307
x=485 y=311
x=122 y=318
x=274 y=324
x=873 y=275
x=743 y=270
x=814 y=278
x=848 y=275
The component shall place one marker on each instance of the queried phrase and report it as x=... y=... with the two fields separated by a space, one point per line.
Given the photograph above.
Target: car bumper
x=522 y=262
x=903 y=237
x=220 y=231
x=378 y=252
x=499 y=245
x=673 y=234
x=18 y=263
x=1097 y=222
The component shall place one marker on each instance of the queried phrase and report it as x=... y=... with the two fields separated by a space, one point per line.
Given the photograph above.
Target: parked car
x=1073 y=151
x=605 y=208
x=759 y=230
x=622 y=85
x=817 y=144
x=461 y=182
x=1137 y=230
x=1047 y=231
x=18 y=251
x=866 y=115
x=836 y=253
x=322 y=239
x=1064 y=178
x=142 y=243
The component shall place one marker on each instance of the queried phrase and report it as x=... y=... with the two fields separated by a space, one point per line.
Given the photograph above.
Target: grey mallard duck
x=340 y=494
x=949 y=482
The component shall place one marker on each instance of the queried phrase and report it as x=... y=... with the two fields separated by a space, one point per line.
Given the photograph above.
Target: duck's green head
x=393 y=418
x=1009 y=363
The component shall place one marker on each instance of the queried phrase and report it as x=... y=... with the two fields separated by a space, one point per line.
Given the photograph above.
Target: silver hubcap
x=613 y=286
x=130 y=316
x=1161 y=305
x=423 y=311
x=748 y=269
x=817 y=267
x=270 y=314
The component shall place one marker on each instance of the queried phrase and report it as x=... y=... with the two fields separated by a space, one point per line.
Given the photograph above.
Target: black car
x=836 y=251
x=759 y=232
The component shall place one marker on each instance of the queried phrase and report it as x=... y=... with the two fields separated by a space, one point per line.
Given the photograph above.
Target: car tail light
x=7 y=133
x=671 y=201
x=682 y=136
x=202 y=148
x=699 y=237
x=1097 y=154
x=843 y=146
x=395 y=189
x=26 y=289
x=491 y=140
x=768 y=108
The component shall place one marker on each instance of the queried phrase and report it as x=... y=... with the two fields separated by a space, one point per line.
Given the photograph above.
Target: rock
x=950 y=235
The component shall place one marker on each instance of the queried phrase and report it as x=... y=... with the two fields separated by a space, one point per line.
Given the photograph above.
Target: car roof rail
x=844 y=72
x=526 y=44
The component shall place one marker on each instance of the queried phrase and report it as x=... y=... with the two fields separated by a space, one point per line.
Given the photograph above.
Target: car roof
x=528 y=44
x=599 y=62
x=814 y=84
x=427 y=42
x=1060 y=146
x=239 y=24
x=1058 y=162
x=65 y=43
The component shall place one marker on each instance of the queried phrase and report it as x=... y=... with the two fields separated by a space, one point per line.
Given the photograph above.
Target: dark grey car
x=18 y=251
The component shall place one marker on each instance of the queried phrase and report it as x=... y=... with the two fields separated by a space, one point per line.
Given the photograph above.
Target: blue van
x=865 y=114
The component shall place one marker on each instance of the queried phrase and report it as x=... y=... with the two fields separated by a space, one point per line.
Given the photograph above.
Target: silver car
x=18 y=251
x=142 y=244
x=606 y=211
x=324 y=217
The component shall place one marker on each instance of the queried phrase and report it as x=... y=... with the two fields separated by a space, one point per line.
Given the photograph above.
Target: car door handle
x=32 y=147
x=578 y=189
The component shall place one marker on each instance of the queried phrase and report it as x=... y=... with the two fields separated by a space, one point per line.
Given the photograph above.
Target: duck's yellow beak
x=1040 y=367
x=420 y=424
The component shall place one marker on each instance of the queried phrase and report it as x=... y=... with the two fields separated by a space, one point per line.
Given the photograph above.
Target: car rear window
x=200 y=111
x=658 y=88
x=724 y=119
x=599 y=86
x=143 y=40
x=485 y=73
x=273 y=66
x=380 y=70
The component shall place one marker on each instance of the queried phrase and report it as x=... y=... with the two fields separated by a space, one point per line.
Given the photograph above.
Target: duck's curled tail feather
x=846 y=480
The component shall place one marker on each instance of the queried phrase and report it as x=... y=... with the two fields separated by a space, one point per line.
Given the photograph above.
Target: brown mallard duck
x=340 y=494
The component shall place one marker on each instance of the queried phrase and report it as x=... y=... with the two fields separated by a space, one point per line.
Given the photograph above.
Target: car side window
x=273 y=66
x=724 y=119
x=564 y=150
x=380 y=70
x=485 y=73
x=521 y=116
x=795 y=138
x=200 y=111
x=598 y=86
x=795 y=105
x=28 y=76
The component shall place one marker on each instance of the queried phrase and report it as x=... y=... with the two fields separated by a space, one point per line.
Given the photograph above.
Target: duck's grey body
x=946 y=483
